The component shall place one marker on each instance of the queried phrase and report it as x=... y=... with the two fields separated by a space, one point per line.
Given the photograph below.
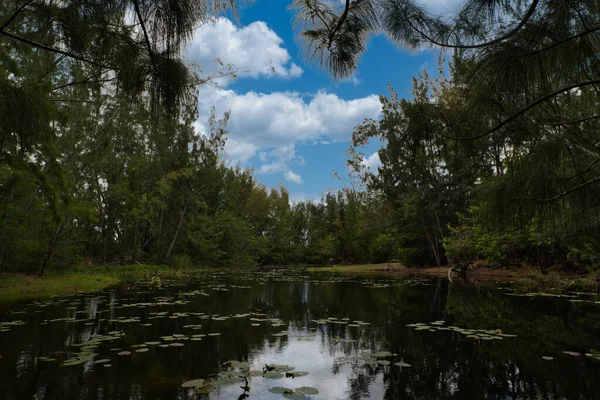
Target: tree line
x=495 y=160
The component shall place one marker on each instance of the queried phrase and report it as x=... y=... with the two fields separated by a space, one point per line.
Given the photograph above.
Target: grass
x=359 y=268
x=23 y=287
x=126 y=271
x=555 y=282
x=79 y=279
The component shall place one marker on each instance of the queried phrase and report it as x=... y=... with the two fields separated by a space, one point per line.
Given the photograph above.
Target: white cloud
x=254 y=50
x=290 y=176
x=270 y=125
x=372 y=162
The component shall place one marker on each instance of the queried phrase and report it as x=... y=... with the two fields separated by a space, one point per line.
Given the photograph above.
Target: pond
x=276 y=336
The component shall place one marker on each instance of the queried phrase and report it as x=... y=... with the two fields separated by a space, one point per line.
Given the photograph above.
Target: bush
x=181 y=261
x=383 y=248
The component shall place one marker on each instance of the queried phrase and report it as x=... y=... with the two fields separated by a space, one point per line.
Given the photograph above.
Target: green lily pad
x=142 y=350
x=548 y=358
x=193 y=383
x=272 y=375
x=402 y=364
x=204 y=389
x=307 y=390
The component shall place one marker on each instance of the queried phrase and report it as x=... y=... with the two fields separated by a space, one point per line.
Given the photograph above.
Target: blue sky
x=290 y=120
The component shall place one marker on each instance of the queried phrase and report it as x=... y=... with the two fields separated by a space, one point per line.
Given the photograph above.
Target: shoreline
x=18 y=287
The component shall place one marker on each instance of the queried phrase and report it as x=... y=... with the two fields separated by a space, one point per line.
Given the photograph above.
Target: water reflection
x=333 y=329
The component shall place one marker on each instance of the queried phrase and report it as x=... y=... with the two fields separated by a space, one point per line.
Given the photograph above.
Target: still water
x=347 y=338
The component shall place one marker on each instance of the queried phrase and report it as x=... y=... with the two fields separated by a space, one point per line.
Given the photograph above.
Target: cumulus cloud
x=372 y=162
x=254 y=51
x=290 y=176
x=270 y=125
x=265 y=128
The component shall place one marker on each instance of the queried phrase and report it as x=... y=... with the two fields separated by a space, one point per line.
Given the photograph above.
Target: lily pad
x=548 y=358
x=204 y=389
x=124 y=353
x=193 y=383
x=307 y=390
x=402 y=364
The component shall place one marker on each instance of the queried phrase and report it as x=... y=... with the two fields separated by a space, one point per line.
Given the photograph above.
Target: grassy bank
x=362 y=268
x=20 y=287
x=79 y=279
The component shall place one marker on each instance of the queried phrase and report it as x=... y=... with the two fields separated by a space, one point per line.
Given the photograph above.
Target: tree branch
x=339 y=24
x=556 y=44
x=571 y=122
x=15 y=13
x=525 y=19
x=589 y=167
x=85 y=81
x=524 y=110
x=146 y=37
x=52 y=49
x=574 y=188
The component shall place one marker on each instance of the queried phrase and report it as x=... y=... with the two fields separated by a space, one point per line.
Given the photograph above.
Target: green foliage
x=383 y=248
x=586 y=256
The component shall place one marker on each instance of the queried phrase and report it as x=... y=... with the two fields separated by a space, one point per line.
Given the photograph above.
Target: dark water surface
x=349 y=334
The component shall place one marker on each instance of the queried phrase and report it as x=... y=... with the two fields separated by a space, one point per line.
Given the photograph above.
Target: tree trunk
x=439 y=225
x=168 y=255
x=434 y=247
x=51 y=247
x=135 y=240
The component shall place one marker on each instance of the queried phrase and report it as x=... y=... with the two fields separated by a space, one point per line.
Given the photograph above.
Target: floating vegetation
x=5 y=326
x=547 y=358
x=298 y=393
x=572 y=353
x=307 y=390
x=193 y=383
x=594 y=355
x=480 y=334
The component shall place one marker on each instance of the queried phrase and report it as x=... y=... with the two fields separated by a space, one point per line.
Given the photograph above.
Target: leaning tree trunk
x=172 y=245
x=434 y=247
x=51 y=247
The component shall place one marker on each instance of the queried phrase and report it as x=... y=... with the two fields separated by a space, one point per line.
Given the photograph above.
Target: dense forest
x=494 y=159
